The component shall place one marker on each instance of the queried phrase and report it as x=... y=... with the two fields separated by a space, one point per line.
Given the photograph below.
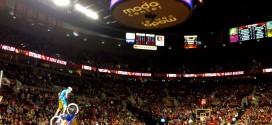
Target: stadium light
x=87 y=12
x=62 y=2
x=75 y=33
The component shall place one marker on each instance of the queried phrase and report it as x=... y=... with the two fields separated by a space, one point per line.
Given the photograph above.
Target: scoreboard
x=145 y=41
x=140 y=38
x=191 y=42
x=150 y=39
x=249 y=32
x=130 y=38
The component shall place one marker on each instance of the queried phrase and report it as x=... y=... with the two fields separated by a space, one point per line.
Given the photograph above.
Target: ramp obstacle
x=66 y=119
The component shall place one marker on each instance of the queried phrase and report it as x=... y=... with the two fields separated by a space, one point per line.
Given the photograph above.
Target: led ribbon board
x=151 y=14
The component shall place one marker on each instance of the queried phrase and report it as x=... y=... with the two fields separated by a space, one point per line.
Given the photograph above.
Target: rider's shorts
x=62 y=103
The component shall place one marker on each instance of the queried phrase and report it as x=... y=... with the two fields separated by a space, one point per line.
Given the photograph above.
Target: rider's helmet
x=70 y=88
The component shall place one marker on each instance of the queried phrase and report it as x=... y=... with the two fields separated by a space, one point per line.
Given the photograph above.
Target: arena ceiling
x=207 y=20
x=212 y=16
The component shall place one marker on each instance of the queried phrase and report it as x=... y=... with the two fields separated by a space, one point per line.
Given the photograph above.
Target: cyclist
x=63 y=95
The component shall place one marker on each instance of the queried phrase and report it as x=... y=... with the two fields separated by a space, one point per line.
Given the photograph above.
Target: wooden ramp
x=74 y=121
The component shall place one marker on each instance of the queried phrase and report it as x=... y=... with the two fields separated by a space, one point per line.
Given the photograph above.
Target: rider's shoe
x=58 y=121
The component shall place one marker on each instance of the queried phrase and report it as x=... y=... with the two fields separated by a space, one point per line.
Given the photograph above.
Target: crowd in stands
x=75 y=55
x=177 y=103
x=19 y=108
x=93 y=109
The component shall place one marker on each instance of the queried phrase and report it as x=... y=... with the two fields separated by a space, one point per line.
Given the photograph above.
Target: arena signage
x=144 y=8
x=8 y=48
x=267 y=70
x=151 y=14
x=160 y=21
x=86 y=67
x=145 y=47
x=190 y=39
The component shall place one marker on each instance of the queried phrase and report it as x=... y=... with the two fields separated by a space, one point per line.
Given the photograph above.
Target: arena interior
x=136 y=62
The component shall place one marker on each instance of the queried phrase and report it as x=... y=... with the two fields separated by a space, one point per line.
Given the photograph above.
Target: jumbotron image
x=135 y=62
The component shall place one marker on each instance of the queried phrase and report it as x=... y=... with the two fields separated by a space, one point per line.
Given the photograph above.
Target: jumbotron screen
x=251 y=32
x=145 y=41
x=130 y=38
x=191 y=42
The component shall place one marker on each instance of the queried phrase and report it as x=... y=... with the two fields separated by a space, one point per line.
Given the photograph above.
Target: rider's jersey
x=63 y=94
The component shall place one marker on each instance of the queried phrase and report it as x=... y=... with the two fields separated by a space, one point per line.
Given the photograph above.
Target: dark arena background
x=135 y=62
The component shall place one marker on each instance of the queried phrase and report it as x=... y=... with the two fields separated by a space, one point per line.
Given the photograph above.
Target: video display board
x=159 y=40
x=191 y=42
x=150 y=39
x=145 y=41
x=140 y=39
x=250 y=32
x=130 y=38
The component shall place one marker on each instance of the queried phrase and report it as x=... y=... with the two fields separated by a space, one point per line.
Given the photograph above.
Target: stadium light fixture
x=75 y=33
x=87 y=12
x=62 y=2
